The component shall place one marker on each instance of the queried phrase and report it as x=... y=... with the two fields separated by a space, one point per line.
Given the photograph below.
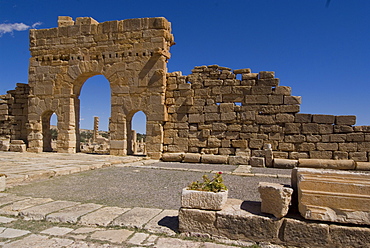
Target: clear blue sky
x=323 y=53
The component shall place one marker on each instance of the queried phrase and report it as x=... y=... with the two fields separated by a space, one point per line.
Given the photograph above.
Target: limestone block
x=326 y=129
x=250 y=77
x=355 y=137
x=17 y=146
x=261 y=90
x=275 y=99
x=256 y=99
x=196 y=220
x=348 y=147
x=290 y=108
x=214 y=159
x=292 y=128
x=358 y=156
x=345 y=120
x=327 y=164
x=286 y=146
x=242 y=71
x=365 y=166
x=4 y=145
x=255 y=143
x=321 y=154
x=266 y=74
x=327 y=146
x=192 y=158
x=238 y=160
x=285 y=163
x=257 y=162
x=298 y=233
x=226 y=151
x=243 y=221
x=332 y=195
x=239 y=143
x=323 y=119
x=265 y=119
x=339 y=155
x=294 y=138
x=349 y=236
x=275 y=198
x=292 y=100
x=172 y=157
x=268 y=82
x=343 y=129
x=310 y=128
x=303 y=118
x=282 y=90
x=203 y=199
x=284 y=118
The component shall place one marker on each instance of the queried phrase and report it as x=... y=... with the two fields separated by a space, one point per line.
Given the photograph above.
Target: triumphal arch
x=132 y=55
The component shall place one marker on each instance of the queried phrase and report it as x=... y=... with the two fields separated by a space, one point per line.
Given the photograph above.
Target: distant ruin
x=234 y=114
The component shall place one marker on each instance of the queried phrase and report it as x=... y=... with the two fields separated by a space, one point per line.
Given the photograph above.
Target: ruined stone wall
x=212 y=112
x=13 y=114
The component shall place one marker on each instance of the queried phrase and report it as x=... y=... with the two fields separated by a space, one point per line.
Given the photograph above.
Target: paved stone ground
x=39 y=221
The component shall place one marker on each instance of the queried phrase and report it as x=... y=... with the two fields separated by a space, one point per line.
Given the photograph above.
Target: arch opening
x=137 y=135
x=49 y=131
x=93 y=109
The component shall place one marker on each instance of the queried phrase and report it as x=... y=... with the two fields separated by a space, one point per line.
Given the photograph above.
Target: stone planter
x=2 y=183
x=203 y=199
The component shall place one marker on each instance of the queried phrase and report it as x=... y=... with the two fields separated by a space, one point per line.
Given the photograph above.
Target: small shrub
x=213 y=185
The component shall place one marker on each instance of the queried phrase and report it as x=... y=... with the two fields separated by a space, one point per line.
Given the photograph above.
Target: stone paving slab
x=16 y=207
x=138 y=238
x=57 y=231
x=71 y=214
x=9 y=233
x=103 y=216
x=40 y=212
x=136 y=217
x=166 y=222
x=10 y=198
x=39 y=241
x=25 y=167
x=4 y=220
x=178 y=243
x=114 y=236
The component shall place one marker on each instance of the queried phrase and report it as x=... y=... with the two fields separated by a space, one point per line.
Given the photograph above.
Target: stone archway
x=131 y=54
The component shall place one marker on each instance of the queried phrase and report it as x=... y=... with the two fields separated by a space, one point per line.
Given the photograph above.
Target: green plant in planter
x=212 y=185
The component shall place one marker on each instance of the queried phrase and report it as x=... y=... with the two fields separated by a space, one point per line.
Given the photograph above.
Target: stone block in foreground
x=333 y=195
x=203 y=199
x=275 y=198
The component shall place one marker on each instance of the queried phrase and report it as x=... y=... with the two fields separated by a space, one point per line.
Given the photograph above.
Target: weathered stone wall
x=233 y=114
x=13 y=114
x=131 y=54
x=212 y=112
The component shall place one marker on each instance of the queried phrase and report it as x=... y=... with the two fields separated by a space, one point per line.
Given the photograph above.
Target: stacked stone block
x=13 y=114
x=216 y=111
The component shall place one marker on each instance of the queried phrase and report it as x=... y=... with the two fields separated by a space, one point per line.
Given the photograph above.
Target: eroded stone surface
x=71 y=214
x=136 y=217
x=39 y=212
x=203 y=199
x=333 y=195
x=103 y=216
x=275 y=198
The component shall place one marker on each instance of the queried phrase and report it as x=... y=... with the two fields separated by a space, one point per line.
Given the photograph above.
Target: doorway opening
x=137 y=134
x=94 y=108
x=49 y=131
